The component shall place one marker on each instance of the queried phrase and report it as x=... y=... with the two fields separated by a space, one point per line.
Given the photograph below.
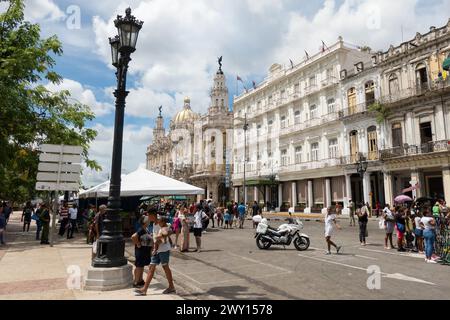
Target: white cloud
x=83 y=95
x=135 y=142
x=42 y=10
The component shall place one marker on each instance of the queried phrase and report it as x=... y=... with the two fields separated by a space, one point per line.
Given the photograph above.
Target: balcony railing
x=415 y=90
x=311 y=165
x=317 y=121
x=356 y=109
x=407 y=150
x=354 y=158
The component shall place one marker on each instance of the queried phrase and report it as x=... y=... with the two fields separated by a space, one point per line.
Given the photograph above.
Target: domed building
x=195 y=148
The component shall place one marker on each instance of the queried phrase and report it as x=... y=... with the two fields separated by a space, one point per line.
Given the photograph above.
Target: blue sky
x=180 y=41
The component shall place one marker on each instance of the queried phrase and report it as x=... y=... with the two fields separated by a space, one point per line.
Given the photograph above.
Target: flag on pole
x=307 y=55
x=292 y=64
x=254 y=84
x=324 y=47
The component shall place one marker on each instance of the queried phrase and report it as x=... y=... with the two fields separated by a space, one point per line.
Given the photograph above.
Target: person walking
x=2 y=225
x=363 y=217
x=143 y=245
x=351 y=208
x=418 y=232
x=90 y=224
x=205 y=208
x=377 y=209
x=241 y=210
x=7 y=211
x=98 y=221
x=64 y=218
x=160 y=255
x=37 y=218
x=235 y=214
x=73 y=214
x=409 y=230
x=26 y=216
x=199 y=218
x=184 y=230
x=255 y=212
x=44 y=217
x=428 y=224
x=230 y=211
x=228 y=219
x=389 y=221
x=212 y=212
x=176 y=227
x=400 y=225
x=219 y=214
x=330 y=223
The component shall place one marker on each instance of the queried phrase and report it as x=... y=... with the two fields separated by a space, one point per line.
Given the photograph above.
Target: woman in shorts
x=143 y=243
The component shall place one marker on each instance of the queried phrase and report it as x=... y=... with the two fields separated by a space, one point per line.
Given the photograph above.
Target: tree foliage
x=29 y=113
x=380 y=110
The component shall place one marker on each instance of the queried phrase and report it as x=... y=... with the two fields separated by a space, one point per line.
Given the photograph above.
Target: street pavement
x=230 y=266
x=29 y=270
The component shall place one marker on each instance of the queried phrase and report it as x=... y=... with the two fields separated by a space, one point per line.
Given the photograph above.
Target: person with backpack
x=26 y=216
x=44 y=217
x=200 y=217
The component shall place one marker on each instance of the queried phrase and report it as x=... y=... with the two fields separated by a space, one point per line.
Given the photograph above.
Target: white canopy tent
x=143 y=182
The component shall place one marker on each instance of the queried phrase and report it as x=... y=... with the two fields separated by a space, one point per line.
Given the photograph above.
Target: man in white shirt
x=199 y=216
x=73 y=214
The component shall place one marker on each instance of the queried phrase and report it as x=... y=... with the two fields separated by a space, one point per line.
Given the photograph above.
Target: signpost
x=59 y=170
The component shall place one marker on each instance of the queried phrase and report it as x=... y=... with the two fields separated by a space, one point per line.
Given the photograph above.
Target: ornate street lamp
x=361 y=168
x=111 y=245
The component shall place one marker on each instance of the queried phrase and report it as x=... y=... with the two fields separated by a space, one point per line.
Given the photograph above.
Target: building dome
x=185 y=115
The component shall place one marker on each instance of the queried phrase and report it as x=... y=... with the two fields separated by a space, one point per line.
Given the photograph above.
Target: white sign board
x=54 y=177
x=54 y=167
x=51 y=186
x=54 y=157
x=56 y=148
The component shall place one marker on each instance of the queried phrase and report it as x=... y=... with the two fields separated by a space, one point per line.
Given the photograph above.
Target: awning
x=446 y=65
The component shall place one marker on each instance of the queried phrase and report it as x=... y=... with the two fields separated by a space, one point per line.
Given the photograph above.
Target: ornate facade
x=195 y=148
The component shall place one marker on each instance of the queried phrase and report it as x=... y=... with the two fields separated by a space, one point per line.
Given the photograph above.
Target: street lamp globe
x=115 y=43
x=128 y=28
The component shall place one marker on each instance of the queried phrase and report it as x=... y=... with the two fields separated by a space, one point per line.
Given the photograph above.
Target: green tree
x=29 y=113
x=380 y=110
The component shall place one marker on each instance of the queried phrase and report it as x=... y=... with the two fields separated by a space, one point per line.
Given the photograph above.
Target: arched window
x=369 y=88
x=394 y=87
x=351 y=97
x=354 y=146
x=421 y=77
x=397 y=139
x=372 y=142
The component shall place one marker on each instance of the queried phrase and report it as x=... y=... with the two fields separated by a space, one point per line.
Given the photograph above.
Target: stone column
x=310 y=194
x=294 y=194
x=236 y=194
x=267 y=194
x=280 y=195
x=256 y=193
x=366 y=187
x=388 y=195
x=446 y=182
x=348 y=187
x=328 y=192
x=416 y=176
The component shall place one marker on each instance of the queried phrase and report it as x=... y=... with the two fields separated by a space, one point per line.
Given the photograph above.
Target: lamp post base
x=108 y=279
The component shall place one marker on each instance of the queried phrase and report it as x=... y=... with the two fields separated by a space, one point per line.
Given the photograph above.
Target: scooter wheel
x=263 y=245
x=301 y=243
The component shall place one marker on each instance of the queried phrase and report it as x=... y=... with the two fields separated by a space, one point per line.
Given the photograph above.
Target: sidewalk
x=29 y=270
x=306 y=216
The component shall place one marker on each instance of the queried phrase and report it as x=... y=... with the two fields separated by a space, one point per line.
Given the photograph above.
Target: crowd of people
x=416 y=227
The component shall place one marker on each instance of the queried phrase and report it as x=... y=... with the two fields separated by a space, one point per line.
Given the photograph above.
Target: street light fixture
x=111 y=245
x=361 y=168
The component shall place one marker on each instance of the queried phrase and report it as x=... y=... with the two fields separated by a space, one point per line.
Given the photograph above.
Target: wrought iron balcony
x=408 y=150
x=356 y=109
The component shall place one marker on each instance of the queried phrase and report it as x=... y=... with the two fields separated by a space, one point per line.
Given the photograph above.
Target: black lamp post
x=361 y=168
x=111 y=245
